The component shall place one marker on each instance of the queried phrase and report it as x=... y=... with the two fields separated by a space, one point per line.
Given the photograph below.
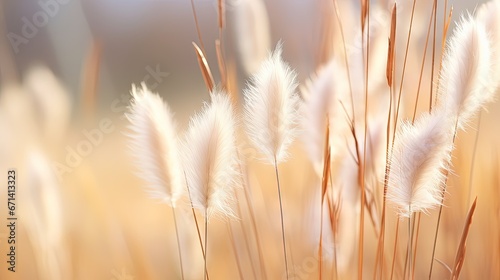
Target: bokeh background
x=110 y=228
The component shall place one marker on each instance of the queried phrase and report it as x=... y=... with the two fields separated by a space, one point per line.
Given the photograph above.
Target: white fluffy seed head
x=465 y=83
x=271 y=108
x=323 y=95
x=421 y=154
x=210 y=161
x=252 y=33
x=488 y=15
x=153 y=139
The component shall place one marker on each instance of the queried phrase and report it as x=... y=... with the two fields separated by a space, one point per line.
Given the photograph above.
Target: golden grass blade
x=91 y=79
x=221 y=12
x=324 y=185
x=364 y=13
x=392 y=44
x=222 y=64
x=326 y=163
x=460 y=257
x=205 y=69
x=195 y=16
x=424 y=56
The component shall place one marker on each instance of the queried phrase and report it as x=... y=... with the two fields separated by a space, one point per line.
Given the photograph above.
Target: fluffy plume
x=271 y=106
x=43 y=217
x=51 y=101
x=252 y=33
x=466 y=78
x=154 y=145
x=421 y=153
x=210 y=156
x=489 y=16
x=323 y=94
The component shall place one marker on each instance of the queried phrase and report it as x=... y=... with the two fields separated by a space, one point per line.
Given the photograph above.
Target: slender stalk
x=431 y=97
x=197 y=26
x=281 y=215
x=416 y=243
x=252 y=216
x=320 y=251
x=363 y=165
x=335 y=212
x=395 y=248
x=410 y=241
x=178 y=242
x=423 y=63
x=257 y=239
x=404 y=64
x=337 y=15
x=196 y=223
x=443 y=193
x=206 y=245
x=233 y=243
x=473 y=163
x=245 y=236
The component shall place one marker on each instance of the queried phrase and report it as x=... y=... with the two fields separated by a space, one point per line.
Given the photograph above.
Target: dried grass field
x=358 y=142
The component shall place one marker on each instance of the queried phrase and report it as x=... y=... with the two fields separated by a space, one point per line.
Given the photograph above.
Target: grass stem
x=281 y=215
x=178 y=242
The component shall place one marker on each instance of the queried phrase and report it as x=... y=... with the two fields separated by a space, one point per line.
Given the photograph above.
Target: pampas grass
x=252 y=32
x=153 y=140
x=43 y=213
x=271 y=106
x=487 y=15
x=421 y=155
x=465 y=82
x=352 y=129
x=323 y=94
x=210 y=159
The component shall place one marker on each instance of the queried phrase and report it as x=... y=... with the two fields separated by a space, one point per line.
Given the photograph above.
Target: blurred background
x=93 y=220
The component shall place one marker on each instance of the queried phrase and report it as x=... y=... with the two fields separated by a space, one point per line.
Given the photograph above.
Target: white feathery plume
x=154 y=144
x=43 y=217
x=488 y=15
x=466 y=75
x=210 y=158
x=51 y=100
x=323 y=94
x=271 y=107
x=252 y=33
x=421 y=154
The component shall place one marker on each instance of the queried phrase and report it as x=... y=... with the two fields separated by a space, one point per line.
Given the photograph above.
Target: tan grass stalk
x=465 y=83
x=366 y=14
x=204 y=67
x=271 y=106
x=90 y=80
x=324 y=186
x=460 y=256
x=253 y=35
x=390 y=82
x=195 y=17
